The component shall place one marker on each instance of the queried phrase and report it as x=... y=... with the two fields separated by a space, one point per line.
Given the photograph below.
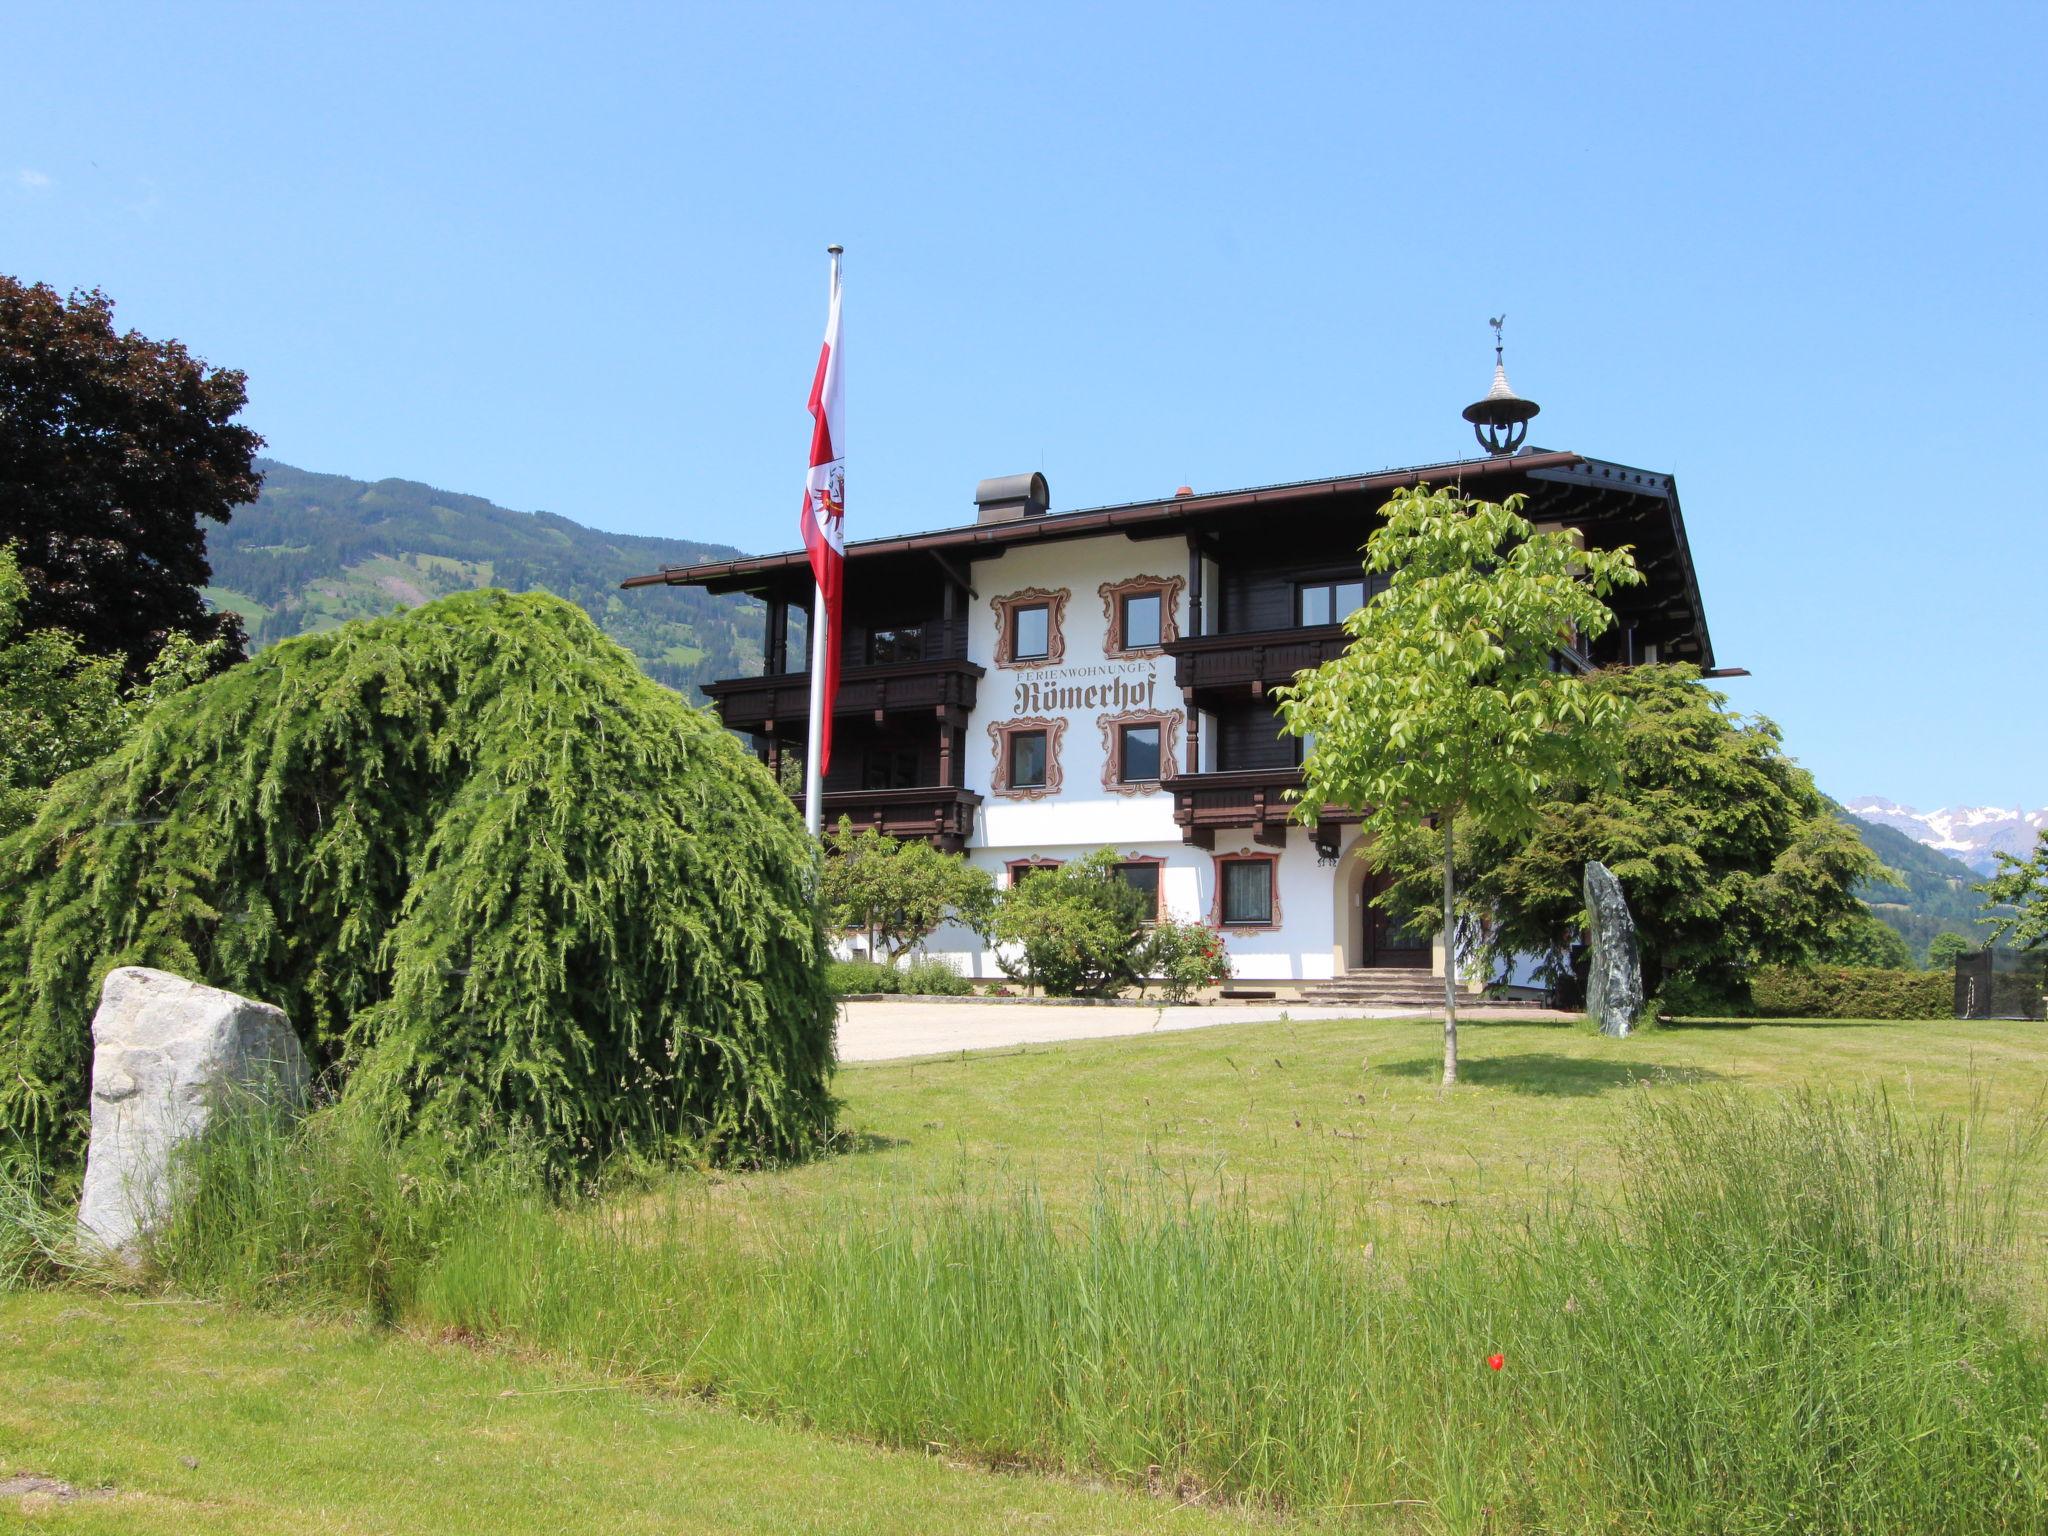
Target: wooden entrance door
x=1387 y=943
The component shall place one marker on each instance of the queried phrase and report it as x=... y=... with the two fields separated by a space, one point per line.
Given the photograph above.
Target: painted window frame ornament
x=1018 y=868
x=1271 y=859
x=1000 y=732
x=1054 y=600
x=1112 y=728
x=1113 y=593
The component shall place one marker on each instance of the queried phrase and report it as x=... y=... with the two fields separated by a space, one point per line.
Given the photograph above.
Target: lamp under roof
x=1500 y=420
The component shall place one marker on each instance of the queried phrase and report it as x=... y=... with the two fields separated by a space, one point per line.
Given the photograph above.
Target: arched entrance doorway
x=1370 y=938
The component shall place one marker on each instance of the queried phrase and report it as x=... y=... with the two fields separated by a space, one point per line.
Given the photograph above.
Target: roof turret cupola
x=1500 y=420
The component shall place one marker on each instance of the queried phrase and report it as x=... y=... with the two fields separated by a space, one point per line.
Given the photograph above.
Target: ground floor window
x=1142 y=876
x=1247 y=894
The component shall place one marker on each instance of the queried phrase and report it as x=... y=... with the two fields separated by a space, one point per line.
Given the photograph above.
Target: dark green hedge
x=1846 y=992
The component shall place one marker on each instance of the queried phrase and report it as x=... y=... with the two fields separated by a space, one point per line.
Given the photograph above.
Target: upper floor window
x=1141 y=620
x=887 y=768
x=905 y=642
x=1140 y=614
x=1027 y=753
x=1030 y=632
x=1028 y=627
x=1027 y=760
x=1328 y=602
x=1140 y=747
x=1138 y=754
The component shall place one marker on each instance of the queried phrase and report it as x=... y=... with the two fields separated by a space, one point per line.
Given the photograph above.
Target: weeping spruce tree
x=493 y=874
x=1445 y=707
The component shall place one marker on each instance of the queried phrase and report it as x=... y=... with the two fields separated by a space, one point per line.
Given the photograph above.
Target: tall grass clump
x=1791 y=1321
x=334 y=1213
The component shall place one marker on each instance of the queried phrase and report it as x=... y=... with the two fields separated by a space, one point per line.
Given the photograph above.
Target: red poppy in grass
x=1496 y=1361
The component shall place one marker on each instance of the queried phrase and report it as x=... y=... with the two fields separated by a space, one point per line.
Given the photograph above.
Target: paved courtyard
x=887 y=1029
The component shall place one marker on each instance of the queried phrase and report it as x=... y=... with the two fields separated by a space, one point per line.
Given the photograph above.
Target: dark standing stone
x=1614 y=986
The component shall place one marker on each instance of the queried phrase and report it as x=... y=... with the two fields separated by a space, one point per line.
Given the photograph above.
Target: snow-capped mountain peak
x=1976 y=834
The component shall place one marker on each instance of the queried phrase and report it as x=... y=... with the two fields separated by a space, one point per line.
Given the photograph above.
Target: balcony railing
x=1258 y=800
x=927 y=687
x=938 y=813
x=1253 y=662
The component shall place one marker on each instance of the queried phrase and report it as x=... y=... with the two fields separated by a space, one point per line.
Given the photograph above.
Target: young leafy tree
x=2023 y=885
x=1080 y=928
x=1447 y=705
x=895 y=891
x=114 y=450
x=1944 y=949
x=1730 y=857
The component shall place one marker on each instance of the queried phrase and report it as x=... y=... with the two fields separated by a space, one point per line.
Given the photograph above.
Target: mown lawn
x=1269 y=1108
x=316 y=1427
x=196 y=1418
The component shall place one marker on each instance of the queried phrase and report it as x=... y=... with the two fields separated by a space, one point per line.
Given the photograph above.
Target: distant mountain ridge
x=317 y=549
x=1933 y=894
x=1975 y=834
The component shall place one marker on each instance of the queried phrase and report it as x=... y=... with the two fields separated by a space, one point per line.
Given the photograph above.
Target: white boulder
x=167 y=1053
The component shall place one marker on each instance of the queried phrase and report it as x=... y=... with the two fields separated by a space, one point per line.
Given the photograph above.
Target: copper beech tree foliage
x=115 y=451
x=1448 y=707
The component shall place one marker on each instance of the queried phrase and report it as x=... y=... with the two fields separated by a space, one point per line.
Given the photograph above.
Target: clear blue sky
x=572 y=257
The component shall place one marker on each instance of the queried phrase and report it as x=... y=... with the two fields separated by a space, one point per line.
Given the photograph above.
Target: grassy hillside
x=318 y=550
x=1934 y=895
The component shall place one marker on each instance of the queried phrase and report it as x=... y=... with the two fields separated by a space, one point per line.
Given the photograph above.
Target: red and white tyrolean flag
x=825 y=509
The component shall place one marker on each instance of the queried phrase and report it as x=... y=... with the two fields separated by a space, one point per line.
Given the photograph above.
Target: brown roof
x=737 y=575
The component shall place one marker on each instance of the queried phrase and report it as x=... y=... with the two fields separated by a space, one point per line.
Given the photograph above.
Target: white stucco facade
x=1076 y=696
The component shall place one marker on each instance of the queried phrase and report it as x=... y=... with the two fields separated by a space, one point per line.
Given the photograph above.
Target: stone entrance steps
x=1379 y=988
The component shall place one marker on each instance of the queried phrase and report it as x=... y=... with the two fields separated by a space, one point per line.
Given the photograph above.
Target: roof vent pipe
x=1007 y=498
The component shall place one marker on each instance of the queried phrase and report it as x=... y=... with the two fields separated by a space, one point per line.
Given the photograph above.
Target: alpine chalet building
x=1036 y=684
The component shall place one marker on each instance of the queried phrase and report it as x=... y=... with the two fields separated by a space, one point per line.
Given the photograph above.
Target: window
x=1028 y=626
x=884 y=768
x=1140 y=614
x=1030 y=633
x=1138 y=754
x=1248 y=891
x=905 y=642
x=1027 y=760
x=1027 y=756
x=1141 y=621
x=1022 y=869
x=1328 y=602
x=1143 y=877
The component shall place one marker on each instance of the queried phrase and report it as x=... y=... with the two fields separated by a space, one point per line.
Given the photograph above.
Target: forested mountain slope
x=1934 y=895
x=318 y=549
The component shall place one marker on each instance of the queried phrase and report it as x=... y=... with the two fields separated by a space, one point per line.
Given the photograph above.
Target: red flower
x=1496 y=1360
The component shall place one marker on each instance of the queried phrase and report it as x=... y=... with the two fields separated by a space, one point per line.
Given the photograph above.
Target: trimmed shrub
x=1080 y=928
x=491 y=872
x=853 y=978
x=933 y=977
x=1848 y=992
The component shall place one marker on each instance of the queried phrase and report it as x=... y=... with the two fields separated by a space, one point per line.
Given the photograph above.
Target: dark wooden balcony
x=1254 y=662
x=1258 y=800
x=937 y=688
x=938 y=813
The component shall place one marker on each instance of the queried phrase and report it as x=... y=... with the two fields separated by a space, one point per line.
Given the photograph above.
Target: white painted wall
x=1084 y=815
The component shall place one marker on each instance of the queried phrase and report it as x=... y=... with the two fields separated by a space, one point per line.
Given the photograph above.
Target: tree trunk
x=1450 y=968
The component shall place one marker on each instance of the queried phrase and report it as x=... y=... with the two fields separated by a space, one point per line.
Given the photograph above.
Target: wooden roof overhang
x=1612 y=503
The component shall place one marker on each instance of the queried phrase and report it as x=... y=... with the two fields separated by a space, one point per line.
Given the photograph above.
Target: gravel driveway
x=889 y=1029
